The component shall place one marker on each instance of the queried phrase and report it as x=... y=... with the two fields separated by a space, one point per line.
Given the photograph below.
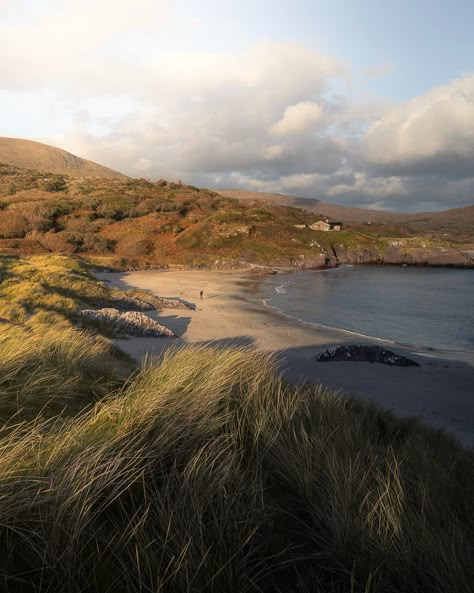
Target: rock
x=365 y=353
x=130 y=323
x=428 y=256
x=140 y=302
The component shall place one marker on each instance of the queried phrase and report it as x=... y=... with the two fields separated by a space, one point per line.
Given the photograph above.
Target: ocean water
x=419 y=307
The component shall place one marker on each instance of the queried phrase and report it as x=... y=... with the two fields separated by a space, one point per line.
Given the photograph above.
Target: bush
x=134 y=246
x=40 y=216
x=97 y=244
x=59 y=242
x=13 y=224
x=53 y=183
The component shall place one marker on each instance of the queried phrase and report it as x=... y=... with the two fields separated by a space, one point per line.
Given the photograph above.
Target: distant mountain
x=454 y=221
x=333 y=211
x=42 y=157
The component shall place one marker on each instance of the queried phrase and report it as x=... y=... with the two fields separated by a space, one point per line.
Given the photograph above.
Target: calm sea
x=420 y=307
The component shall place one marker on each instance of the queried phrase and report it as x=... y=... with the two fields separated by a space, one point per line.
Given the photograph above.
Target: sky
x=367 y=104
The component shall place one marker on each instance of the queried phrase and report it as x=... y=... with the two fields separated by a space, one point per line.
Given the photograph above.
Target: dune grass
x=56 y=284
x=53 y=370
x=205 y=472
x=48 y=367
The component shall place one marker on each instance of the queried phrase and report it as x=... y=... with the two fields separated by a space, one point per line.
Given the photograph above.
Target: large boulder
x=366 y=354
x=130 y=323
x=140 y=301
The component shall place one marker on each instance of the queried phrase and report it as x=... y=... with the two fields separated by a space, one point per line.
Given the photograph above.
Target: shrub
x=134 y=246
x=40 y=216
x=53 y=183
x=97 y=244
x=13 y=224
x=61 y=242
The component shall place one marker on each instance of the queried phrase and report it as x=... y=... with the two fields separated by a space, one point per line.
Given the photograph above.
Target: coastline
x=439 y=391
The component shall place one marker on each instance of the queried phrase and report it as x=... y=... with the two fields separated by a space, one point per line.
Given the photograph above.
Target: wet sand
x=440 y=391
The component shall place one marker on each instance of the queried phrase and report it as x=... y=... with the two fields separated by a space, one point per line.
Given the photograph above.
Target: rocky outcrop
x=138 y=301
x=353 y=255
x=308 y=261
x=428 y=256
x=401 y=252
x=130 y=323
x=365 y=354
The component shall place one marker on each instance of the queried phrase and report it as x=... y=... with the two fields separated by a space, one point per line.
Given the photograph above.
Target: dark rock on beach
x=365 y=354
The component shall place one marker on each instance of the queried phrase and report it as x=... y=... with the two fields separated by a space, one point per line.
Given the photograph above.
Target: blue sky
x=367 y=103
x=424 y=43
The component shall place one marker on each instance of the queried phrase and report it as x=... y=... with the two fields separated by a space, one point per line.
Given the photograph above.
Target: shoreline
x=439 y=391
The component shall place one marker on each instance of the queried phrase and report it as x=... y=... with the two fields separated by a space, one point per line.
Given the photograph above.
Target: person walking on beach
x=201 y=294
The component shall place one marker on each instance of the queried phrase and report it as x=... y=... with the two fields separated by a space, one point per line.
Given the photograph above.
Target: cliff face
x=400 y=254
x=431 y=256
x=353 y=255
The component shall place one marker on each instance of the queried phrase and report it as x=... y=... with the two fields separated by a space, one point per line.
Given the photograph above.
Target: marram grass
x=205 y=473
x=52 y=369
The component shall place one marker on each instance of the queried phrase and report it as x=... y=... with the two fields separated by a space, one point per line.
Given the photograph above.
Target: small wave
x=329 y=327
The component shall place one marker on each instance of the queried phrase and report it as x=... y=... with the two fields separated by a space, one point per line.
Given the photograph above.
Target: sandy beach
x=440 y=391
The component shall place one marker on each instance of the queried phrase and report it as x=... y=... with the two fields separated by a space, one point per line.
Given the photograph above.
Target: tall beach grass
x=204 y=472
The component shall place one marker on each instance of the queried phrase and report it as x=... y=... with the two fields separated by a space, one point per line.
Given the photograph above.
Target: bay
x=429 y=308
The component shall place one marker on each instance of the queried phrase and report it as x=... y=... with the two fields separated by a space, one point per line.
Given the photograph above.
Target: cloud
x=430 y=135
x=141 y=97
x=78 y=47
x=298 y=118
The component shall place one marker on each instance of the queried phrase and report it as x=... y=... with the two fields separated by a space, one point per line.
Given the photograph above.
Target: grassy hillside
x=203 y=471
x=138 y=223
x=35 y=155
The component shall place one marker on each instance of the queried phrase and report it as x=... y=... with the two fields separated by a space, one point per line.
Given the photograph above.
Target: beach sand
x=440 y=391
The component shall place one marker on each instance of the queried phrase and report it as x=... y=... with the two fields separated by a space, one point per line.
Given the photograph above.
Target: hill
x=135 y=223
x=41 y=157
x=457 y=221
x=333 y=211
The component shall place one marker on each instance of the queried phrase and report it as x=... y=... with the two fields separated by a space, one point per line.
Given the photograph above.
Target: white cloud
x=78 y=47
x=273 y=152
x=298 y=118
x=431 y=133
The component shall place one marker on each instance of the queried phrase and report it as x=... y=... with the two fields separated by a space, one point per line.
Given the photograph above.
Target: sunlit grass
x=206 y=473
